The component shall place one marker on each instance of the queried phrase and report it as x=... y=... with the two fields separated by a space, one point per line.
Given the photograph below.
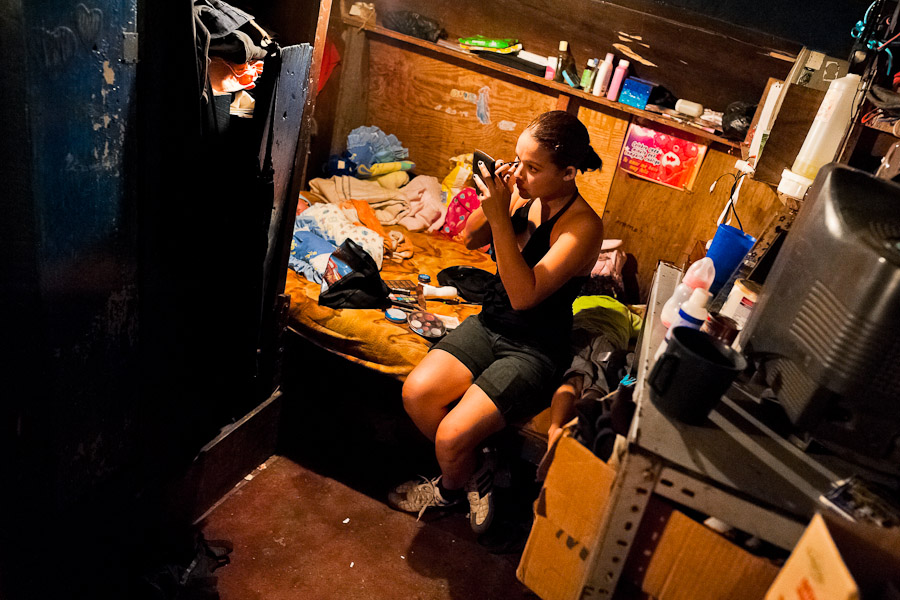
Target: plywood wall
x=430 y=101
x=432 y=106
x=661 y=223
x=607 y=135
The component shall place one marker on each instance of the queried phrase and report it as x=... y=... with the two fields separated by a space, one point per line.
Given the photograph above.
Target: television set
x=825 y=331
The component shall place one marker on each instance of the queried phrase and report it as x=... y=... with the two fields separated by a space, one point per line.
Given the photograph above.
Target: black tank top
x=546 y=326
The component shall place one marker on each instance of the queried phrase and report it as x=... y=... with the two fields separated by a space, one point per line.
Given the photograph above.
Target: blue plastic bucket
x=728 y=249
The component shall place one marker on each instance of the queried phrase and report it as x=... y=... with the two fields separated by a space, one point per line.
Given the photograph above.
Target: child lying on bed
x=504 y=364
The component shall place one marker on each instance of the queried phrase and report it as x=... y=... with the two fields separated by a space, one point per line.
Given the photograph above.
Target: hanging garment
x=225 y=77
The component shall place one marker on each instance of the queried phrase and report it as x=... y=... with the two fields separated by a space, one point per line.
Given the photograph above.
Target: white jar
x=740 y=301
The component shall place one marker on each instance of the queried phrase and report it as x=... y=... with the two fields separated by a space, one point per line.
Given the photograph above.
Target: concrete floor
x=301 y=534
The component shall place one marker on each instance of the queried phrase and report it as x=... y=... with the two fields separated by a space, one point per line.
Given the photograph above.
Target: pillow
x=309 y=255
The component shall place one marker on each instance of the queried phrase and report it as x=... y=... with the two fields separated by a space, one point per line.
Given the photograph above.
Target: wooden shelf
x=540 y=82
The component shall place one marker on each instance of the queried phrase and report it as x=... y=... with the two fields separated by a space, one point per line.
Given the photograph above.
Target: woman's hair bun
x=567 y=140
x=592 y=161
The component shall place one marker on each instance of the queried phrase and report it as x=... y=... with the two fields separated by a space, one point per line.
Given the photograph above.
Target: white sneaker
x=479 y=493
x=414 y=496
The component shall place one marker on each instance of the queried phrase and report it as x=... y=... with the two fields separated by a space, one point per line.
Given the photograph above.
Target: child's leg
x=562 y=406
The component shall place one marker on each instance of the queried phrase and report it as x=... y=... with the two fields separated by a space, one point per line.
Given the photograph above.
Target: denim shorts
x=519 y=379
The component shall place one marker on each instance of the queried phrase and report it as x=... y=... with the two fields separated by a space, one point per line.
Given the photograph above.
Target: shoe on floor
x=480 y=494
x=415 y=496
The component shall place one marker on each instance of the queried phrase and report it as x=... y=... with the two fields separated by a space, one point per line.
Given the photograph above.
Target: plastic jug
x=824 y=138
x=699 y=275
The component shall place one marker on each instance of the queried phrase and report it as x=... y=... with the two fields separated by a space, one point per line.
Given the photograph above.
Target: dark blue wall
x=823 y=26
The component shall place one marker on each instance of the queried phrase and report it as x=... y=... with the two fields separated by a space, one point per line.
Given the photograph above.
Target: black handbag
x=352 y=280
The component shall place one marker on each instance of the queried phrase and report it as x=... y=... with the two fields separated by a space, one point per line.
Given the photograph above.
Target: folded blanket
x=387 y=203
x=426 y=211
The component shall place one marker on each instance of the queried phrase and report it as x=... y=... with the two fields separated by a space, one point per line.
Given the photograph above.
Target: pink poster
x=661 y=157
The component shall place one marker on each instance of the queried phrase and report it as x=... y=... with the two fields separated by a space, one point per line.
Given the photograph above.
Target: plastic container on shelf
x=741 y=300
x=618 y=77
x=692 y=313
x=552 y=65
x=824 y=138
x=604 y=72
x=699 y=275
x=691 y=109
x=590 y=71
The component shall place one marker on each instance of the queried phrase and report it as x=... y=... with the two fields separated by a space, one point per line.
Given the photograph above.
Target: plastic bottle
x=692 y=313
x=618 y=77
x=604 y=72
x=552 y=65
x=824 y=137
x=827 y=130
x=699 y=275
x=590 y=71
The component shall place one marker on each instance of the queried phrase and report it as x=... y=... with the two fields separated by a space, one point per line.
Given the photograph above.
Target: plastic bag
x=414 y=24
x=370 y=145
x=736 y=120
x=351 y=280
x=456 y=180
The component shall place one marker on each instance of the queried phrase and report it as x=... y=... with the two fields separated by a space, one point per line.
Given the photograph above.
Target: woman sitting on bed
x=503 y=365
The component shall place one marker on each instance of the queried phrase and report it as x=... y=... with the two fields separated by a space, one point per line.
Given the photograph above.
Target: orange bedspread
x=364 y=336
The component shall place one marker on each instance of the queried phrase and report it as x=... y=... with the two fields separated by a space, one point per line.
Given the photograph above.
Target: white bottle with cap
x=699 y=275
x=692 y=313
x=601 y=81
x=824 y=138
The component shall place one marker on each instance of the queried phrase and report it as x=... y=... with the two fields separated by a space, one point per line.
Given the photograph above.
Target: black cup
x=689 y=379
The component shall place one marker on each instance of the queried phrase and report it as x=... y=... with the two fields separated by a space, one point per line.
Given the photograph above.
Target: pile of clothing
x=369 y=188
x=374 y=168
x=231 y=48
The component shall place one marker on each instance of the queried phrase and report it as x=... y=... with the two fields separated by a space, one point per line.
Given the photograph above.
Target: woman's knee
x=439 y=379
x=452 y=442
x=416 y=390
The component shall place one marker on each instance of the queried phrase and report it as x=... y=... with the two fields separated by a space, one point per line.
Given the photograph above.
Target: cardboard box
x=837 y=559
x=673 y=557
x=567 y=520
x=676 y=558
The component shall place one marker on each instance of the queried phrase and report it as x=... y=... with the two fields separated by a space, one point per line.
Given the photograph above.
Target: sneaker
x=415 y=496
x=480 y=494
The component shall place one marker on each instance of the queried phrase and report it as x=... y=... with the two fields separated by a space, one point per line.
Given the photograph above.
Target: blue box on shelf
x=635 y=92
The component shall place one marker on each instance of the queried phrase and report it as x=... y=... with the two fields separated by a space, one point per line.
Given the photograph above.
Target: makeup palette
x=426 y=324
